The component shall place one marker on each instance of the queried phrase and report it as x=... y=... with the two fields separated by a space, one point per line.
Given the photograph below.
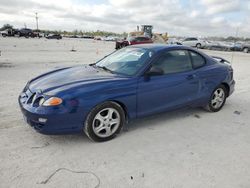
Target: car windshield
x=126 y=61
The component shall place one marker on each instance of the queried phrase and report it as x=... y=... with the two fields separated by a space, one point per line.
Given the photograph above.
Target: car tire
x=4 y=35
x=245 y=50
x=104 y=121
x=217 y=99
x=198 y=45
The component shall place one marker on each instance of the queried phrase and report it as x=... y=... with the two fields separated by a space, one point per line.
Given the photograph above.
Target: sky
x=176 y=17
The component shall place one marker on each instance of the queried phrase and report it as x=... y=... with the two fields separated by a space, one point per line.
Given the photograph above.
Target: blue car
x=133 y=82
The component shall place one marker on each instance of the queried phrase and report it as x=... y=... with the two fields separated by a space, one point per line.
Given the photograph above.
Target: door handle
x=190 y=77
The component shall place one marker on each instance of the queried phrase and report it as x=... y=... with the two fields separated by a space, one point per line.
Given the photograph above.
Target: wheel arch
x=121 y=104
x=124 y=107
x=227 y=87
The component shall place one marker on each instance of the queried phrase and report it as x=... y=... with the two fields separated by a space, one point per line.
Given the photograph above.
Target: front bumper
x=59 y=120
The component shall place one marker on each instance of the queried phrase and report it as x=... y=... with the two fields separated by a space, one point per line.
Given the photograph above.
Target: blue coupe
x=133 y=82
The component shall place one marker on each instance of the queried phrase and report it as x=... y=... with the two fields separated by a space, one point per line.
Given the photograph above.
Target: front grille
x=31 y=98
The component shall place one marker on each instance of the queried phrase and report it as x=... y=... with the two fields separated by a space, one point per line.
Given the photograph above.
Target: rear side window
x=174 y=61
x=197 y=60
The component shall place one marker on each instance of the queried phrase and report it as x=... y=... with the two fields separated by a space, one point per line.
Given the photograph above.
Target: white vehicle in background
x=193 y=42
x=9 y=32
x=111 y=38
x=173 y=41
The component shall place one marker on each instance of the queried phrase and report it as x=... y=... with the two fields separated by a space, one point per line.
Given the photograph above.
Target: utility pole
x=36 y=21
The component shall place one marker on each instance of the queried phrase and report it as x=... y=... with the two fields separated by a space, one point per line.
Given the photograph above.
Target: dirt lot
x=188 y=148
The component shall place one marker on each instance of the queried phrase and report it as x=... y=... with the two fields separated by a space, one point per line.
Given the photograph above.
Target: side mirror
x=154 y=71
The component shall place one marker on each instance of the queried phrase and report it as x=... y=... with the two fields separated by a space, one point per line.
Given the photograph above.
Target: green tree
x=6 y=26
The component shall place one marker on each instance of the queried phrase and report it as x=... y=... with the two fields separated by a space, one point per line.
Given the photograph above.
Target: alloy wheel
x=218 y=98
x=106 y=122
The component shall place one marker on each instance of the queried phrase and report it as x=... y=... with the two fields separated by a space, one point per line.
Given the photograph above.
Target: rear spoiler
x=221 y=60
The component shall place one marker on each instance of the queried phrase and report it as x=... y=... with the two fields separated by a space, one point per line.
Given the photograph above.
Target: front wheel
x=245 y=50
x=217 y=99
x=104 y=122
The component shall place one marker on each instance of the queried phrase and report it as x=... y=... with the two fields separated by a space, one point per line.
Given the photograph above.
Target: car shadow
x=152 y=121
x=149 y=122
x=69 y=138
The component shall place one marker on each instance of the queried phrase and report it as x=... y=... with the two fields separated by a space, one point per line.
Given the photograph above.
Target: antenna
x=236 y=35
x=36 y=21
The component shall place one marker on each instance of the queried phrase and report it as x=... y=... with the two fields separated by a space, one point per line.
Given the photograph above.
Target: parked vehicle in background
x=193 y=42
x=173 y=41
x=210 y=44
x=54 y=36
x=245 y=47
x=216 y=45
x=133 y=41
x=74 y=36
x=97 y=38
x=9 y=32
x=87 y=37
x=25 y=32
x=37 y=33
x=226 y=46
x=237 y=46
x=223 y=46
x=111 y=38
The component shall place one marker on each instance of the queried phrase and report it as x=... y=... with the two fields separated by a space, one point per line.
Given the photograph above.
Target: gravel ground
x=186 y=148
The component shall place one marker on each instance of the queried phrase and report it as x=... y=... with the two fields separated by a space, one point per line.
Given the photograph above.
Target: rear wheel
x=104 y=122
x=198 y=45
x=217 y=99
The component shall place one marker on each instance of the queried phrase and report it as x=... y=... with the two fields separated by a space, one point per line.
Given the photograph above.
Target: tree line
x=107 y=33
x=74 y=32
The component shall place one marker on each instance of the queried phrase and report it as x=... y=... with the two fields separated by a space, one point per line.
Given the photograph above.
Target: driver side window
x=174 y=61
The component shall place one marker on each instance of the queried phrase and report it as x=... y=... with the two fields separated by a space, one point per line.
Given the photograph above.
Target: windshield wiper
x=105 y=68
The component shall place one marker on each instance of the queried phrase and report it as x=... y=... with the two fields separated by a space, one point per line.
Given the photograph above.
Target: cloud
x=222 y=6
x=177 y=17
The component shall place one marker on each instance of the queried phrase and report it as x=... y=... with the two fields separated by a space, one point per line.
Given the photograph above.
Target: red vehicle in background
x=133 y=41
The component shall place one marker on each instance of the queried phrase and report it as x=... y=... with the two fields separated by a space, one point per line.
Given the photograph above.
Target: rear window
x=174 y=61
x=197 y=60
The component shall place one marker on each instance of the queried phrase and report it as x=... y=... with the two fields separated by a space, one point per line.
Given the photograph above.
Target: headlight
x=41 y=101
x=52 y=101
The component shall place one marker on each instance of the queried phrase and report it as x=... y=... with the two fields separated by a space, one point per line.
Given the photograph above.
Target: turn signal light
x=53 y=101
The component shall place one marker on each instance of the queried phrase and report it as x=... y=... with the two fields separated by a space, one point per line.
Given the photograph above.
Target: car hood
x=69 y=77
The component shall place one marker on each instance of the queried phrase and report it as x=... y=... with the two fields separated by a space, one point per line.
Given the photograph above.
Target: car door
x=187 y=42
x=194 y=42
x=176 y=87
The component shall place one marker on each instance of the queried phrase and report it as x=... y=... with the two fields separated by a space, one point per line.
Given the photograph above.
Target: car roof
x=160 y=47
